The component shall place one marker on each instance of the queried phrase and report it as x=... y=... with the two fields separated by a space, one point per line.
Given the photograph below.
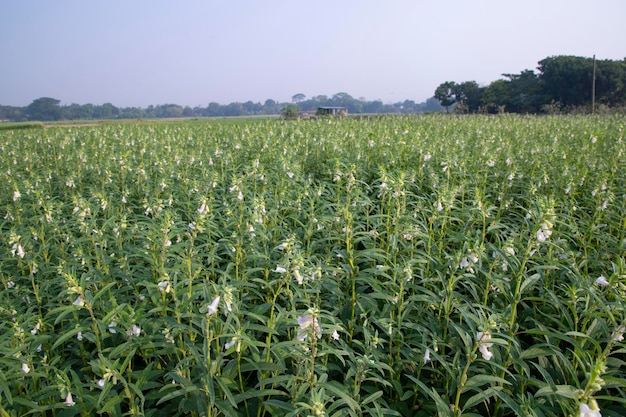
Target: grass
x=452 y=266
x=20 y=125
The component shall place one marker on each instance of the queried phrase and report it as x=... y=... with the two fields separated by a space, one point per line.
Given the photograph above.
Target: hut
x=332 y=111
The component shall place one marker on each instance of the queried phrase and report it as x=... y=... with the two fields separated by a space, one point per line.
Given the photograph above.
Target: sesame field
x=396 y=266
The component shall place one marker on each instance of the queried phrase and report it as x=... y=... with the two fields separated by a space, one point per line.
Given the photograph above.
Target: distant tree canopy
x=563 y=82
x=44 y=108
x=48 y=109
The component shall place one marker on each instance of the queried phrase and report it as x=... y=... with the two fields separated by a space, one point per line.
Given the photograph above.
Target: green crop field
x=407 y=266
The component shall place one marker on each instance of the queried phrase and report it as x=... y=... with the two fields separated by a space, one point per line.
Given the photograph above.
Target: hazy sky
x=192 y=52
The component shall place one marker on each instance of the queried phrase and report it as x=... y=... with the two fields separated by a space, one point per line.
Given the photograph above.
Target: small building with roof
x=331 y=111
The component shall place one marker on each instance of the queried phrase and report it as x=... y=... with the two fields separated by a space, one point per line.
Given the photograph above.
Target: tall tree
x=611 y=82
x=44 y=109
x=567 y=79
x=525 y=92
x=497 y=96
x=469 y=95
x=446 y=94
x=297 y=98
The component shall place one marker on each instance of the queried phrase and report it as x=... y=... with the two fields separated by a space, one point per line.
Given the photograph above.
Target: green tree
x=44 y=109
x=611 y=82
x=297 y=98
x=270 y=107
x=469 y=95
x=78 y=112
x=525 y=92
x=214 y=109
x=446 y=94
x=518 y=93
x=105 y=111
x=188 y=112
x=567 y=79
x=497 y=96
x=290 y=111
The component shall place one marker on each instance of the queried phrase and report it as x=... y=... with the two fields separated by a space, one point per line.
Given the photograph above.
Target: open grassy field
x=408 y=266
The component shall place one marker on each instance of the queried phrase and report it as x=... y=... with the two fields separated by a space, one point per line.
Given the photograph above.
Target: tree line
x=50 y=109
x=561 y=84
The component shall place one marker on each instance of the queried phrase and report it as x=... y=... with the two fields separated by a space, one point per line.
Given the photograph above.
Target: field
x=408 y=266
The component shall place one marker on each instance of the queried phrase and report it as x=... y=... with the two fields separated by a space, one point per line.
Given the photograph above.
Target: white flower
x=279 y=270
x=112 y=327
x=164 y=286
x=298 y=276
x=586 y=411
x=79 y=336
x=335 y=335
x=601 y=280
x=543 y=233
x=484 y=350
x=10 y=284
x=427 y=157
x=25 y=368
x=308 y=324
x=100 y=383
x=68 y=400
x=203 y=209
x=230 y=344
x=16 y=195
x=541 y=237
x=212 y=308
x=484 y=345
x=426 y=356
x=618 y=335
x=133 y=331
x=79 y=302
x=18 y=250
x=464 y=263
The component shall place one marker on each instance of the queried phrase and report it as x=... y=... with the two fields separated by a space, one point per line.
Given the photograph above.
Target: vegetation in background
x=407 y=266
x=563 y=84
x=48 y=109
x=290 y=111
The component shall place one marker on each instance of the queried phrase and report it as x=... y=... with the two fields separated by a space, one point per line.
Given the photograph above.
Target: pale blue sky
x=192 y=52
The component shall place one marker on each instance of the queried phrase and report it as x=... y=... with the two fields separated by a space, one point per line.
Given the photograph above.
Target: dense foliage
x=562 y=84
x=451 y=266
x=47 y=109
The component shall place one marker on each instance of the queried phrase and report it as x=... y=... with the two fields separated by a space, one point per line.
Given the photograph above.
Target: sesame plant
x=407 y=266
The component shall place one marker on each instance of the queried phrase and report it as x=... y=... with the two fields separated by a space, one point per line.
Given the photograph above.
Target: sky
x=192 y=52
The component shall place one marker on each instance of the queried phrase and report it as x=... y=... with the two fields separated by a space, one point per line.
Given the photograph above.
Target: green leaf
x=477 y=381
x=339 y=391
x=64 y=337
x=482 y=396
x=567 y=391
x=190 y=389
x=443 y=408
x=372 y=397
